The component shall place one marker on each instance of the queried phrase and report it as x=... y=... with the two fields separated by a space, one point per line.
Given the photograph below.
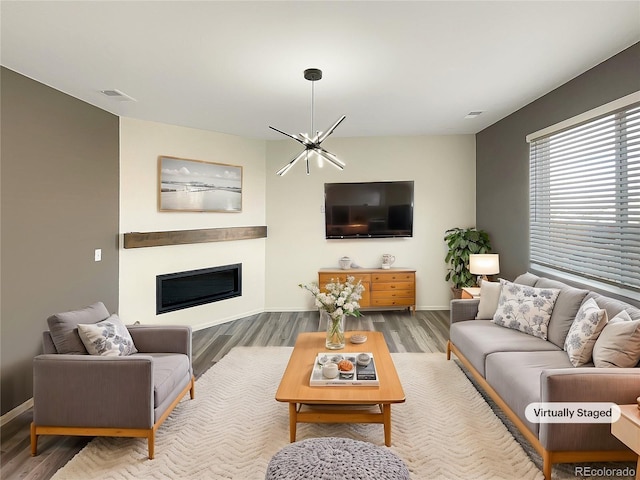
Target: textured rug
x=233 y=427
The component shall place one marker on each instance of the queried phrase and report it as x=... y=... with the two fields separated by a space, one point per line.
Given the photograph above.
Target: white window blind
x=585 y=199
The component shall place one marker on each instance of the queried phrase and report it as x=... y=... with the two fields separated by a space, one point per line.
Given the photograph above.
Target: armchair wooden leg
x=34 y=440
x=151 y=438
x=448 y=349
x=192 y=390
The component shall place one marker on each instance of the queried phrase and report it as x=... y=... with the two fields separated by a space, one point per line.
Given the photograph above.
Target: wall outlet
x=97 y=254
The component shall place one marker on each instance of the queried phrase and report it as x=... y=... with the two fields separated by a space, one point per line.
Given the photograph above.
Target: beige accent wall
x=141 y=144
x=443 y=169
x=59 y=200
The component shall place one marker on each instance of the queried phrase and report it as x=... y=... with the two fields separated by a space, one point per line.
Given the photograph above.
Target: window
x=585 y=199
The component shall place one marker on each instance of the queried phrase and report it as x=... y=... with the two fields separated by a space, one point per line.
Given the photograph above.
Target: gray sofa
x=516 y=369
x=129 y=394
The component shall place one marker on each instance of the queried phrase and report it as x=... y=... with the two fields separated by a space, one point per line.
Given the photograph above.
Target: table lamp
x=483 y=265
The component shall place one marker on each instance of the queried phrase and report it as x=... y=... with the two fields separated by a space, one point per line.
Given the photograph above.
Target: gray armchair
x=118 y=396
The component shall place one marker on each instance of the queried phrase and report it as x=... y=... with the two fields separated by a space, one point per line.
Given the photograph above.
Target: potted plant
x=462 y=242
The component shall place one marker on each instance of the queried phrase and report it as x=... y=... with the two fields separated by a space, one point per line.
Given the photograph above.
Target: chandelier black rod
x=312 y=132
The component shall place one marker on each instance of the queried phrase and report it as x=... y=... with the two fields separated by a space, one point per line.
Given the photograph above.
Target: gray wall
x=59 y=198
x=502 y=153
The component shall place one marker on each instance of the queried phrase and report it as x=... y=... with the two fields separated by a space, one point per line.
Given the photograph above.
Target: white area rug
x=233 y=427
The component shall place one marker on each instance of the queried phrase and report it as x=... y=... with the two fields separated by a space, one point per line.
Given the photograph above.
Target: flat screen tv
x=368 y=209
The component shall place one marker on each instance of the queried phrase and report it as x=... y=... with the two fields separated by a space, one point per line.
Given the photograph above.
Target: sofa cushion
x=564 y=311
x=478 y=338
x=527 y=278
x=515 y=376
x=525 y=308
x=582 y=336
x=619 y=343
x=489 y=296
x=108 y=338
x=169 y=372
x=64 y=327
x=614 y=306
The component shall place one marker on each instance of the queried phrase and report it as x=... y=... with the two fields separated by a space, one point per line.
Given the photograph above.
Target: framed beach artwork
x=197 y=186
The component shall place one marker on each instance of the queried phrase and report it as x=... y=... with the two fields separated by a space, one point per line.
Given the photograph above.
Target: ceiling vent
x=473 y=114
x=117 y=95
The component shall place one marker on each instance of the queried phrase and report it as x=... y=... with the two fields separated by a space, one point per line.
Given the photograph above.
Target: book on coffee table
x=361 y=375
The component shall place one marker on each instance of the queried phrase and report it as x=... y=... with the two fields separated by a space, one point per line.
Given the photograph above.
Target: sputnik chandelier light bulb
x=312 y=142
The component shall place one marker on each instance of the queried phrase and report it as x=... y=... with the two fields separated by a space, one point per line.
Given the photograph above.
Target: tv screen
x=368 y=209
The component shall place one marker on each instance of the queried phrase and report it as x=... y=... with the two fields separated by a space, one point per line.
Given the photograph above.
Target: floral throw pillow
x=584 y=331
x=525 y=308
x=109 y=338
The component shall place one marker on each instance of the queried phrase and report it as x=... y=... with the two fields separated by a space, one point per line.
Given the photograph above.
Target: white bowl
x=348 y=374
x=330 y=370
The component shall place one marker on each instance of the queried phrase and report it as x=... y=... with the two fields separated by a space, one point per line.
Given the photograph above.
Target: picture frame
x=186 y=185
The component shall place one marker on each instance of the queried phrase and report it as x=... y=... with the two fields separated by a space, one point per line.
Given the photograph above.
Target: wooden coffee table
x=339 y=404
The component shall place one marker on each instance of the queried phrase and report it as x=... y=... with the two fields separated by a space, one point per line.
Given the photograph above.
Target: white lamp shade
x=484 y=264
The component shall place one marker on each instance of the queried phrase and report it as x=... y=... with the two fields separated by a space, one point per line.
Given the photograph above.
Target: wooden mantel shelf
x=182 y=237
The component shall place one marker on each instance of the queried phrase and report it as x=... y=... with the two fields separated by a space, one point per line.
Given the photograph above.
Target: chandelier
x=311 y=144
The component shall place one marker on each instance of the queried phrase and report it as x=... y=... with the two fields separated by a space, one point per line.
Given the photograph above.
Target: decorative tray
x=361 y=375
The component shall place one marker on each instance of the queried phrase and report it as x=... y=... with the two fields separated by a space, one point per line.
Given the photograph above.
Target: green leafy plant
x=462 y=242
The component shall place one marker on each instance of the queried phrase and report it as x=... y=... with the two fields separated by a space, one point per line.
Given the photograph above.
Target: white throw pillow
x=109 y=338
x=489 y=296
x=584 y=331
x=619 y=343
x=525 y=308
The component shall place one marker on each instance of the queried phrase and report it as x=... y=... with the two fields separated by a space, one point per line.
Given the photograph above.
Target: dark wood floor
x=427 y=331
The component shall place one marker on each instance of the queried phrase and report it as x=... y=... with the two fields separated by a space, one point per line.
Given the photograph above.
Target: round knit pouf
x=333 y=458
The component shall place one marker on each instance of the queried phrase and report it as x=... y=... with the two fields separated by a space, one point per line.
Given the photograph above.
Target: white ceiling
x=392 y=67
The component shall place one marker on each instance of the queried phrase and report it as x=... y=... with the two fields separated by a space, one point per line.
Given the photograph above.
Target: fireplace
x=175 y=291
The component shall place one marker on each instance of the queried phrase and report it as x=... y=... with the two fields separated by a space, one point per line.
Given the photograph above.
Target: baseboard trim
x=220 y=321
x=19 y=410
